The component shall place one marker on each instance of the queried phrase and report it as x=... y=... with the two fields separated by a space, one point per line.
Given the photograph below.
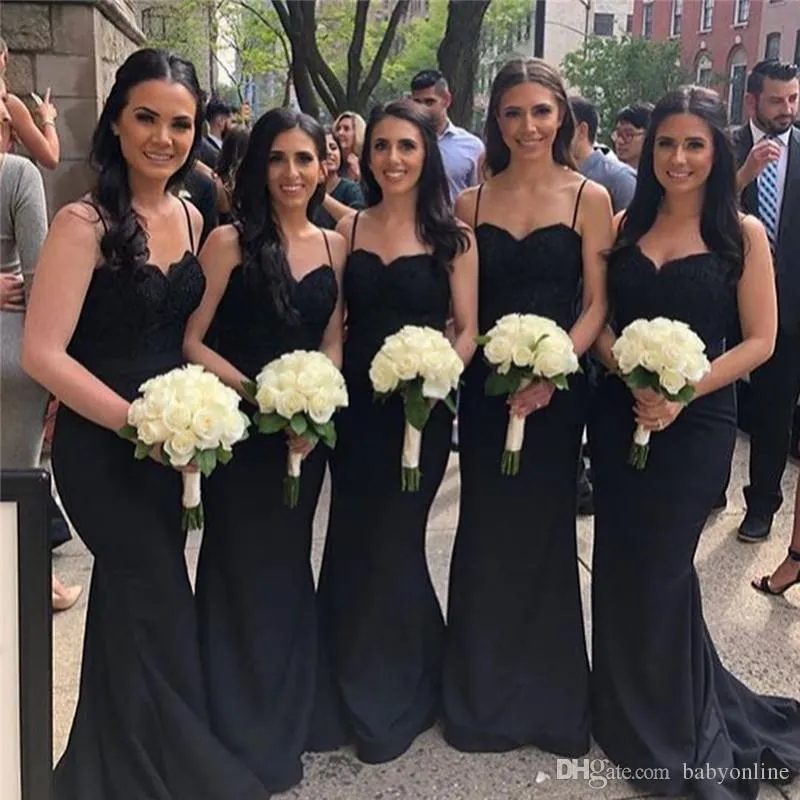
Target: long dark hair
x=231 y=154
x=436 y=225
x=719 y=222
x=124 y=244
x=514 y=73
x=263 y=253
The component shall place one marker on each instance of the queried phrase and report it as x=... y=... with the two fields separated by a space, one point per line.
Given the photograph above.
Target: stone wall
x=74 y=48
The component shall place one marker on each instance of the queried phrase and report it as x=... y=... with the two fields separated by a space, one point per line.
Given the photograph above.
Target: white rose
x=177 y=417
x=434 y=364
x=180 y=448
x=321 y=406
x=696 y=367
x=266 y=397
x=498 y=350
x=287 y=380
x=233 y=426
x=206 y=426
x=383 y=374
x=155 y=402
x=521 y=355
x=290 y=402
x=408 y=365
x=437 y=388
x=672 y=381
x=152 y=431
x=135 y=412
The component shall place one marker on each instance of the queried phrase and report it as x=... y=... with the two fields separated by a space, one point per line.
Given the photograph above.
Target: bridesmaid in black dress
x=515 y=668
x=381 y=622
x=116 y=282
x=271 y=287
x=661 y=697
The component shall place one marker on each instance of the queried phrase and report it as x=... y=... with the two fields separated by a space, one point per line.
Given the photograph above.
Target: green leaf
x=327 y=433
x=206 y=460
x=685 y=395
x=128 y=432
x=450 y=403
x=299 y=424
x=497 y=384
x=642 y=378
x=249 y=388
x=482 y=340
x=311 y=436
x=224 y=456
x=271 y=423
x=560 y=382
x=417 y=408
x=142 y=451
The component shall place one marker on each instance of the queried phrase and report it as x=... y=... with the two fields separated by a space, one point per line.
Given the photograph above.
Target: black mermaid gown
x=141 y=730
x=381 y=624
x=660 y=695
x=515 y=666
x=255 y=587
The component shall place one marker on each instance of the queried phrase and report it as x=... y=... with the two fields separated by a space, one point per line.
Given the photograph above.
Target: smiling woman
x=116 y=281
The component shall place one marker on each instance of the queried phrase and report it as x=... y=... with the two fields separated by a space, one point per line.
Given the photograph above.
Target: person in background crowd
x=37 y=131
x=630 y=128
x=23 y=226
x=342 y=196
x=219 y=117
x=767 y=151
x=349 y=128
x=201 y=190
x=607 y=170
x=462 y=152
x=230 y=157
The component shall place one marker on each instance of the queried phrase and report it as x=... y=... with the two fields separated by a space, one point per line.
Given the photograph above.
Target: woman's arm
x=220 y=254
x=758 y=313
x=43 y=145
x=30 y=219
x=596 y=236
x=62 y=278
x=332 y=339
x=464 y=293
x=354 y=202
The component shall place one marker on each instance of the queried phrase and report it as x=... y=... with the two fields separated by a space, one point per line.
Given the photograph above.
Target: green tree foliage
x=613 y=73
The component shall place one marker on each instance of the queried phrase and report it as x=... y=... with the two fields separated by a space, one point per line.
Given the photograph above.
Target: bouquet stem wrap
x=291 y=484
x=412 y=444
x=192 y=515
x=515 y=436
x=640 y=448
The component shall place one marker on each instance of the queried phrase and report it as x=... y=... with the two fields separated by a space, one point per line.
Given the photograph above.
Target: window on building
x=603 y=24
x=677 y=18
x=647 y=20
x=154 y=23
x=705 y=70
x=629 y=24
x=773 y=48
x=737 y=82
x=741 y=12
x=707 y=15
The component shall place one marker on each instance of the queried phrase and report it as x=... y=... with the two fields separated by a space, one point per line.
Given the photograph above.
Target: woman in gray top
x=23 y=225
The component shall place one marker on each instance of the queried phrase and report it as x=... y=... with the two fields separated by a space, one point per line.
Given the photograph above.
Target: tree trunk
x=458 y=55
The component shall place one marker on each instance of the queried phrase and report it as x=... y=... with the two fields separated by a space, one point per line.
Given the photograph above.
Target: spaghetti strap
x=327 y=246
x=188 y=223
x=353 y=232
x=477 y=207
x=578 y=202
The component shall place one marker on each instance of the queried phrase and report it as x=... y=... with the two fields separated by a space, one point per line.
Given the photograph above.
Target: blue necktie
x=768 y=200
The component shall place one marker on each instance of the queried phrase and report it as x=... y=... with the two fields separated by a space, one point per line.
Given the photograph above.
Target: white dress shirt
x=783 y=161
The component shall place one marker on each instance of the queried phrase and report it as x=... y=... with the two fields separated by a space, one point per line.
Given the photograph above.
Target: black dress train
x=255 y=588
x=381 y=624
x=515 y=666
x=141 y=730
x=661 y=698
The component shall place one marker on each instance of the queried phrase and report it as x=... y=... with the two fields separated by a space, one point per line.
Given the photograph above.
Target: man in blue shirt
x=462 y=152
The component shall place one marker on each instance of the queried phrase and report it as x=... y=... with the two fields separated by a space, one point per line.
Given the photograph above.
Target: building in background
x=721 y=40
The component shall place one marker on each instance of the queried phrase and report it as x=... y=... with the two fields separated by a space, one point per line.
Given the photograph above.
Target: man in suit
x=219 y=117
x=767 y=152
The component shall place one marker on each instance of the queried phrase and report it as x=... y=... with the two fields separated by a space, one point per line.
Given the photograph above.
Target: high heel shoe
x=764 y=585
x=64 y=597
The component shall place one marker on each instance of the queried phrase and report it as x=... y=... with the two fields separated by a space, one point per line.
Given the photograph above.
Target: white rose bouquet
x=664 y=355
x=422 y=365
x=523 y=348
x=300 y=391
x=195 y=419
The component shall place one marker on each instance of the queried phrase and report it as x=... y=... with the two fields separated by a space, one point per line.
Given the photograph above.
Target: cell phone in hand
x=36 y=99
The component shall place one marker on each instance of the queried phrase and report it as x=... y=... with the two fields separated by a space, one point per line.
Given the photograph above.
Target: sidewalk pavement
x=758 y=638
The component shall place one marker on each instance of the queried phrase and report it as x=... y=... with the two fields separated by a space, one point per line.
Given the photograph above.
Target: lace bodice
x=382 y=298
x=250 y=331
x=696 y=289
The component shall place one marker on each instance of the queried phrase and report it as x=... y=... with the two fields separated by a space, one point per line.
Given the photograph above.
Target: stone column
x=74 y=48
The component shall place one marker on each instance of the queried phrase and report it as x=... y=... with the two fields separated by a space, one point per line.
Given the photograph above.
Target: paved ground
x=757 y=637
